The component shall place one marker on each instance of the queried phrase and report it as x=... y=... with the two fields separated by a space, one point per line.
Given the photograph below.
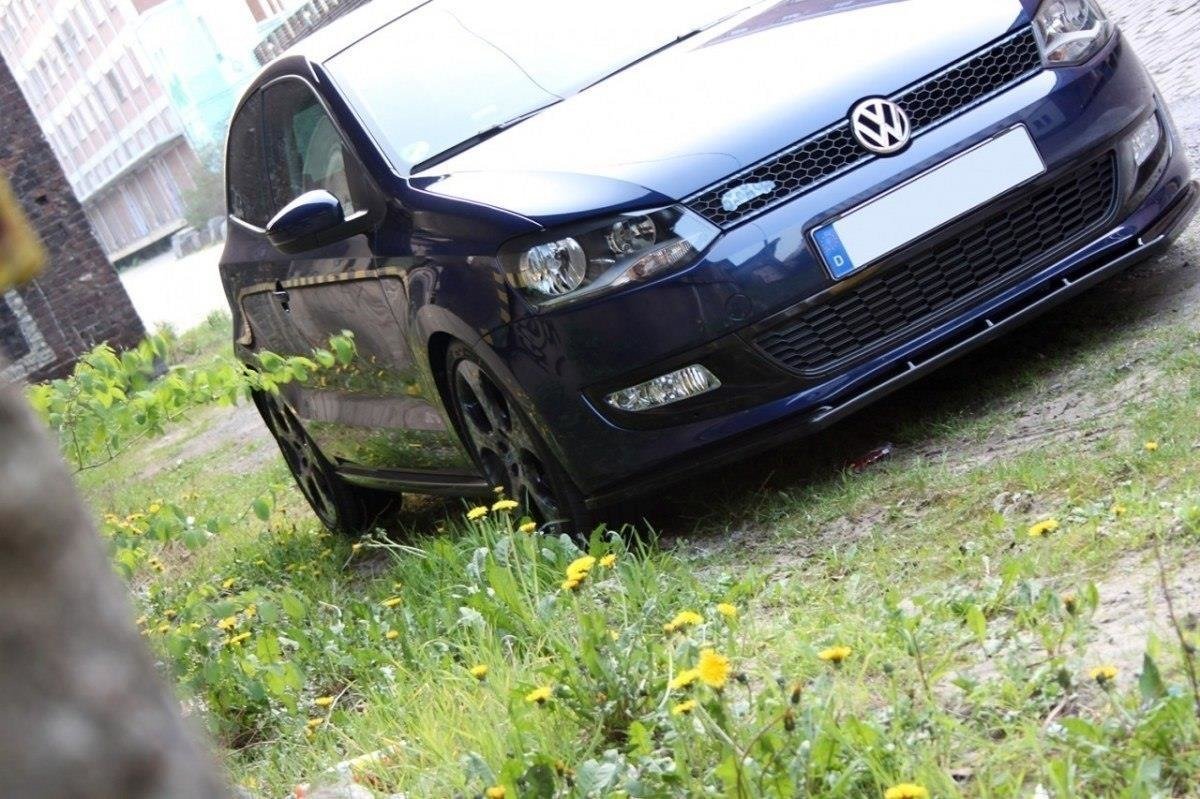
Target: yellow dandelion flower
x=834 y=654
x=498 y=491
x=906 y=790
x=528 y=528
x=714 y=668
x=392 y=602
x=228 y=583
x=477 y=512
x=356 y=546
x=1119 y=510
x=683 y=620
x=479 y=672
x=727 y=610
x=1151 y=446
x=608 y=561
x=1044 y=528
x=685 y=678
x=227 y=623
x=392 y=635
x=684 y=707
x=237 y=639
x=580 y=567
x=1103 y=674
x=539 y=695
x=312 y=724
x=162 y=628
x=496 y=792
x=505 y=504
x=154 y=507
x=323 y=701
x=1070 y=603
x=570 y=584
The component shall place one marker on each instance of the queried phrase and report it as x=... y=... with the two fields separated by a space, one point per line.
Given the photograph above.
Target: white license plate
x=928 y=201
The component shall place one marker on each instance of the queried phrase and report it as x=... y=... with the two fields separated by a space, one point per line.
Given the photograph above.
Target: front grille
x=987 y=255
x=814 y=160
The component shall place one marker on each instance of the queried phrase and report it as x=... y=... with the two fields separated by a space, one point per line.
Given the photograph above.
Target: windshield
x=452 y=69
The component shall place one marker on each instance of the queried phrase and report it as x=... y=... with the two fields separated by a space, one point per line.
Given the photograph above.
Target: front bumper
x=997 y=322
x=764 y=271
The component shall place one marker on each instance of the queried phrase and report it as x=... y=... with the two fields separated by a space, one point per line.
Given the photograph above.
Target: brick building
x=120 y=143
x=77 y=301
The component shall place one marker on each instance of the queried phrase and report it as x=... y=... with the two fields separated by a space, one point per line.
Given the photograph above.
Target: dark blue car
x=588 y=249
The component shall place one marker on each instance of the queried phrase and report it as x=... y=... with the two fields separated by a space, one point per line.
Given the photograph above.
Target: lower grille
x=981 y=260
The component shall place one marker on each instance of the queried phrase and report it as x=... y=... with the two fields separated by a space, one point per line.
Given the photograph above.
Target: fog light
x=688 y=382
x=1145 y=139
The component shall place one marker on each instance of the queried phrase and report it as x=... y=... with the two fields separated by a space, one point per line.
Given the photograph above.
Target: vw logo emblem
x=880 y=126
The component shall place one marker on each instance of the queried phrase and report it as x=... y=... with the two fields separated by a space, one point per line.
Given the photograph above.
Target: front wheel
x=343 y=508
x=509 y=450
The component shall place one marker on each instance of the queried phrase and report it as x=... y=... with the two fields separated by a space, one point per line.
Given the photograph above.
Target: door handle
x=280 y=294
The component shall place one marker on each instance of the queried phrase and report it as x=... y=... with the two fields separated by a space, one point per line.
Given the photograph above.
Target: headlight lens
x=1071 y=31
x=554 y=268
x=606 y=253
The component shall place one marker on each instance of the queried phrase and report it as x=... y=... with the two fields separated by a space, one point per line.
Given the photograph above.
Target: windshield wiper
x=476 y=138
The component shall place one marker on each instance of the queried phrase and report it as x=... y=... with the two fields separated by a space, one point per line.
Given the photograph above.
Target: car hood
x=697 y=112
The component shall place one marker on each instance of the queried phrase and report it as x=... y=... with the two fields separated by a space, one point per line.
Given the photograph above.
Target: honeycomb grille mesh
x=813 y=161
x=992 y=252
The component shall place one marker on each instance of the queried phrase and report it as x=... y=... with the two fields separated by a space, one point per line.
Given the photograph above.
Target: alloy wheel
x=504 y=444
x=302 y=458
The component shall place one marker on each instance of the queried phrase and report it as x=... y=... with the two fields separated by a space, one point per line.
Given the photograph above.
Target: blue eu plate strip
x=834 y=252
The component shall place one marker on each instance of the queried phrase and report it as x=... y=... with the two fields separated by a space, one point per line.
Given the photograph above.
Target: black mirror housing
x=313 y=219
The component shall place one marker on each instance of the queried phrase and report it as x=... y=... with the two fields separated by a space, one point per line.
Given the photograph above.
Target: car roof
x=331 y=39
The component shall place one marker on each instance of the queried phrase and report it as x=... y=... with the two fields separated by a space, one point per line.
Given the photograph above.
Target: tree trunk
x=83 y=714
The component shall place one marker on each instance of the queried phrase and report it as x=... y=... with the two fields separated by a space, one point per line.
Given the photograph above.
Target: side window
x=248 y=199
x=304 y=149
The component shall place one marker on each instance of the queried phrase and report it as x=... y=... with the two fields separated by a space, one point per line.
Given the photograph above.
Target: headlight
x=606 y=253
x=1071 y=31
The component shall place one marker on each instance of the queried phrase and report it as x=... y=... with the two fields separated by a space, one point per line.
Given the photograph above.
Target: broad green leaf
x=1150 y=681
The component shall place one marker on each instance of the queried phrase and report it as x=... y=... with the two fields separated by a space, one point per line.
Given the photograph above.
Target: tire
x=343 y=508
x=506 y=446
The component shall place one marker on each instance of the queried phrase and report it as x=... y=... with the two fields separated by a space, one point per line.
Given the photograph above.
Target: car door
x=252 y=271
x=371 y=413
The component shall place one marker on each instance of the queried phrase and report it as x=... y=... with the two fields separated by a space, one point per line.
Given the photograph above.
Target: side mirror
x=313 y=219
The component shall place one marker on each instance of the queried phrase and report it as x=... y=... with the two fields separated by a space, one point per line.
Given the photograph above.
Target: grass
x=971 y=643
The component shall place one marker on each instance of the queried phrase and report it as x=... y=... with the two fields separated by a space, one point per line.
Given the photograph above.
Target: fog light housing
x=1145 y=139
x=691 y=381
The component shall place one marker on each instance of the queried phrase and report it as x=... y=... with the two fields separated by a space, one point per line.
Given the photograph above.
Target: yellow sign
x=21 y=254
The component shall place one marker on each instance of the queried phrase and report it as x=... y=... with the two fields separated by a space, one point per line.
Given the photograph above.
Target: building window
x=81 y=23
x=114 y=85
x=21 y=339
x=71 y=36
x=95 y=12
x=13 y=344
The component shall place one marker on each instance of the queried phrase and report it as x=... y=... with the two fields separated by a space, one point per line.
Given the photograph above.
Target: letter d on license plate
x=954 y=188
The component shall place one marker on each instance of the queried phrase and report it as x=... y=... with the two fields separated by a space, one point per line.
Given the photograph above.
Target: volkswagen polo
x=589 y=249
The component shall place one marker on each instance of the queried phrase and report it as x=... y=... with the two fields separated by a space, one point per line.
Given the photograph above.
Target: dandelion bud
x=789 y=720
x=797 y=692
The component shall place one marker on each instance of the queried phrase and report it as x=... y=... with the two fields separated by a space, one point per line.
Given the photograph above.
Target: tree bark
x=82 y=711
